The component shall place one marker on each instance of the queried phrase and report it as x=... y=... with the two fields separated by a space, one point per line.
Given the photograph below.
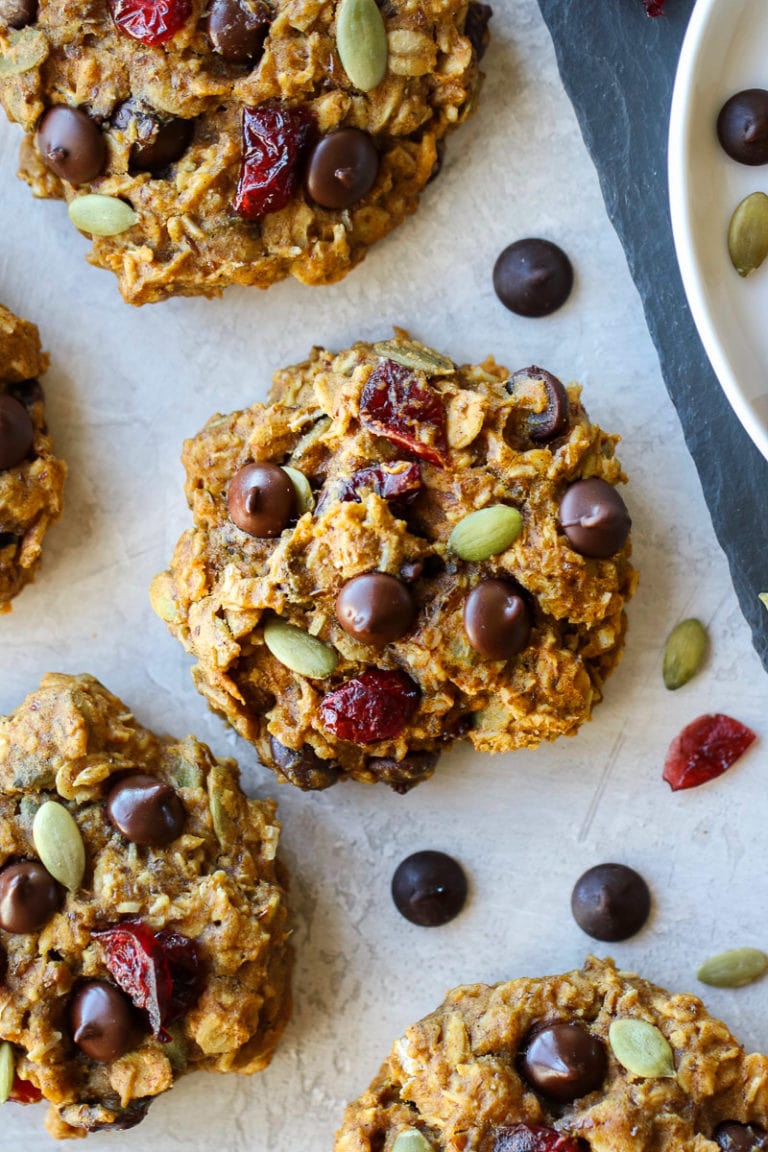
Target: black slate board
x=618 y=67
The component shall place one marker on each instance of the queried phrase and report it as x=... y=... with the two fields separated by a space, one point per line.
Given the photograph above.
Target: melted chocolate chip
x=71 y=144
x=594 y=518
x=303 y=767
x=533 y=277
x=146 y=810
x=343 y=167
x=29 y=896
x=553 y=421
x=742 y=126
x=16 y=432
x=610 y=902
x=375 y=608
x=496 y=619
x=18 y=13
x=733 y=1137
x=564 y=1061
x=160 y=141
x=101 y=1021
x=402 y=775
x=261 y=499
x=429 y=888
x=237 y=29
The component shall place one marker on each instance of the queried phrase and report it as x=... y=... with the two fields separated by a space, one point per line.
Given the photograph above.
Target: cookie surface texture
x=458 y=1078
x=422 y=587
x=31 y=477
x=152 y=959
x=246 y=148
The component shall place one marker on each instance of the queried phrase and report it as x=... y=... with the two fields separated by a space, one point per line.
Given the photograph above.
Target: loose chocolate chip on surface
x=742 y=126
x=303 y=767
x=402 y=775
x=533 y=277
x=101 y=1021
x=553 y=421
x=237 y=29
x=261 y=499
x=29 y=896
x=16 y=432
x=496 y=619
x=734 y=1137
x=342 y=168
x=375 y=608
x=71 y=144
x=429 y=888
x=594 y=518
x=18 y=13
x=564 y=1061
x=610 y=902
x=146 y=810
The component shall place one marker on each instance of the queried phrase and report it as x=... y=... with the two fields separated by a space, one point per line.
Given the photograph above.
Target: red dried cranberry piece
x=187 y=973
x=403 y=408
x=139 y=966
x=375 y=706
x=150 y=21
x=533 y=1138
x=705 y=749
x=654 y=7
x=276 y=138
x=24 y=1091
x=399 y=482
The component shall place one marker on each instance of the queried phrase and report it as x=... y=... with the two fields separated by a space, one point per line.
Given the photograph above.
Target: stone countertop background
x=126 y=386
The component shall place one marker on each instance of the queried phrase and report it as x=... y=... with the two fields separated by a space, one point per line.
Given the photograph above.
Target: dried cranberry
x=654 y=7
x=403 y=408
x=399 y=482
x=276 y=138
x=140 y=967
x=187 y=973
x=705 y=749
x=24 y=1091
x=150 y=21
x=533 y=1138
x=375 y=706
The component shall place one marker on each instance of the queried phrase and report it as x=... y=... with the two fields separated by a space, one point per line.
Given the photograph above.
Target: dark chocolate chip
x=7 y=539
x=476 y=27
x=159 y=141
x=533 y=277
x=742 y=126
x=146 y=810
x=16 y=432
x=594 y=518
x=375 y=608
x=89 y=1116
x=343 y=167
x=429 y=888
x=564 y=1061
x=261 y=499
x=303 y=767
x=496 y=619
x=237 y=29
x=553 y=421
x=71 y=144
x=402 y=775
x=18 y=13
x=27 y=392
x=733 y=1137
x=29 y=896
x=101 y=1021
x=610 y=902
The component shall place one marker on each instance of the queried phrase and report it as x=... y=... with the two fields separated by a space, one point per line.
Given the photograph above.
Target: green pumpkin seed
x=684 y=653
x=486 y=532
x=641 y=1048
x=29 y=47
x=162 y=598
x=748 y=233
x=413 y=354
x=7 y=1070
x=305 y=500
x=299 y=651
x=411 y=1140
x=101 y=215
x=59 y=844
x=361 y=39
x=176 y=1051
x=733 y=969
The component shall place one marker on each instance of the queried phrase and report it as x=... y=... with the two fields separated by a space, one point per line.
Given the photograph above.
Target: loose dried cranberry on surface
x=533 y=1138
x=705 y=748
x=25 y=1092
x=139 y=966
x=276 y=138
x=150 y=21
x=374 y=706
x=400 y=406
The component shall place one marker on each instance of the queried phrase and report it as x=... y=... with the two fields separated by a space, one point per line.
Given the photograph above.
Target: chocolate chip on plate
x=564 y=1061
x=261 y=499
x=375 y=608
x=496 y=619
x=101 y=1021
x=71 y=144
x=429 y=888
x=29 y=896
x=594 y=518
x=533 y=277
x=237 y=29
x=146 y=810
x=16 y=432
x=553 y=421
x=303 y=767
x=731 y=1136
x=610 y=902
x=343 y=167
x=742 y=126
x=18 y=13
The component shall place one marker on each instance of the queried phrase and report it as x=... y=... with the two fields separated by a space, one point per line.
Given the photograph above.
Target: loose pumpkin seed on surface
x=59 y=844
x=641 y=1048
x=684 y=653
x=748 y=233
x=734 y=968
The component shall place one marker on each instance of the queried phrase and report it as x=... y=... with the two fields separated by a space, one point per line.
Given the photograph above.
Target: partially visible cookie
x=535 y=1065
x=31 y=477
x=143 y=925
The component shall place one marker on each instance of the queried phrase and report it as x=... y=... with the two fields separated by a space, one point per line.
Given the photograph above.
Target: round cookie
x=31 y=477
x=167 y=950
x=531 y=1066
x=424 y=584
x=252 y=139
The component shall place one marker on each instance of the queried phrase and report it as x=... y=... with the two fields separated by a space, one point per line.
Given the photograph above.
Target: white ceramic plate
x=725 y=50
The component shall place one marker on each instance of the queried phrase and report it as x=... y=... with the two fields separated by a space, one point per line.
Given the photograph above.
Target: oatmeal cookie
x=235 y=141
x=556 y=1065
x=396 y=552
x=142 y=911
x=31 y=477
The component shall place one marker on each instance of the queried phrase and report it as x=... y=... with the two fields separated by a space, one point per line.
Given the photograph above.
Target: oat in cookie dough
x=142 y=911
x=31 y=477
x=596 y=1059
x=236 y=141
x=396 y=552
